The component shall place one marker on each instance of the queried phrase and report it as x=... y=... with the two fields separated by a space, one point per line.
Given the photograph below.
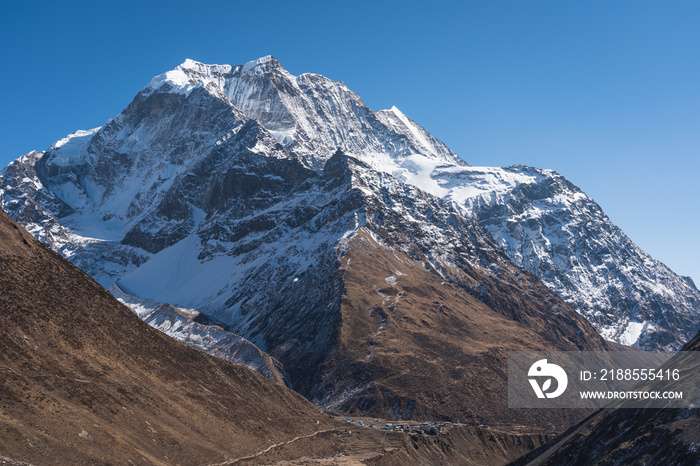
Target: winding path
x=250 y=457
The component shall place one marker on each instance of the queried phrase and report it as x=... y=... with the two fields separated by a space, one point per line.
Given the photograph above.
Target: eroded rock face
x=551 y=228
x=199 y=331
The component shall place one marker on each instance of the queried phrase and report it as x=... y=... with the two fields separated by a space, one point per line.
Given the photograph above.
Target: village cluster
x=426 y=427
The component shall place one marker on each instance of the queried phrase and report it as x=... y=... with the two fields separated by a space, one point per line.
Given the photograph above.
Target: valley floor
x=372 y=443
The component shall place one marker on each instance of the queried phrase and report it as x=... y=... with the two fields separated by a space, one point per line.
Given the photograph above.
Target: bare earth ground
x=353 y=445
x=426 y=349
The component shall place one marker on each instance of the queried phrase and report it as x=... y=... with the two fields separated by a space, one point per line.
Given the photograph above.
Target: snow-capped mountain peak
x=262 y=65
x=74 y=137
x=101 y=185
x=309 y=114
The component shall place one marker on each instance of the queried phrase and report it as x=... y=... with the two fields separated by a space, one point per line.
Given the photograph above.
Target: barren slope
x=417 y=346
x=83 y=380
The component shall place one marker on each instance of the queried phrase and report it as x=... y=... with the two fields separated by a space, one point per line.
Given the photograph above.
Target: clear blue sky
x=605 y=92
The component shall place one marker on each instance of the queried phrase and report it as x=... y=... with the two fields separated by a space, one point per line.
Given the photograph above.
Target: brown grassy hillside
x=84 y=381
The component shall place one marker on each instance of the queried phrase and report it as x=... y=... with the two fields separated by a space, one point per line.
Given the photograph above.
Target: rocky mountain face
x=101 y=184
x=190 y=327
x=551 y=228
x=221 y=189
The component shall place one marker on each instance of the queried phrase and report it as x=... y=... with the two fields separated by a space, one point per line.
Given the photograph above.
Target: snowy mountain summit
x=220 y=188
x=309 y=115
